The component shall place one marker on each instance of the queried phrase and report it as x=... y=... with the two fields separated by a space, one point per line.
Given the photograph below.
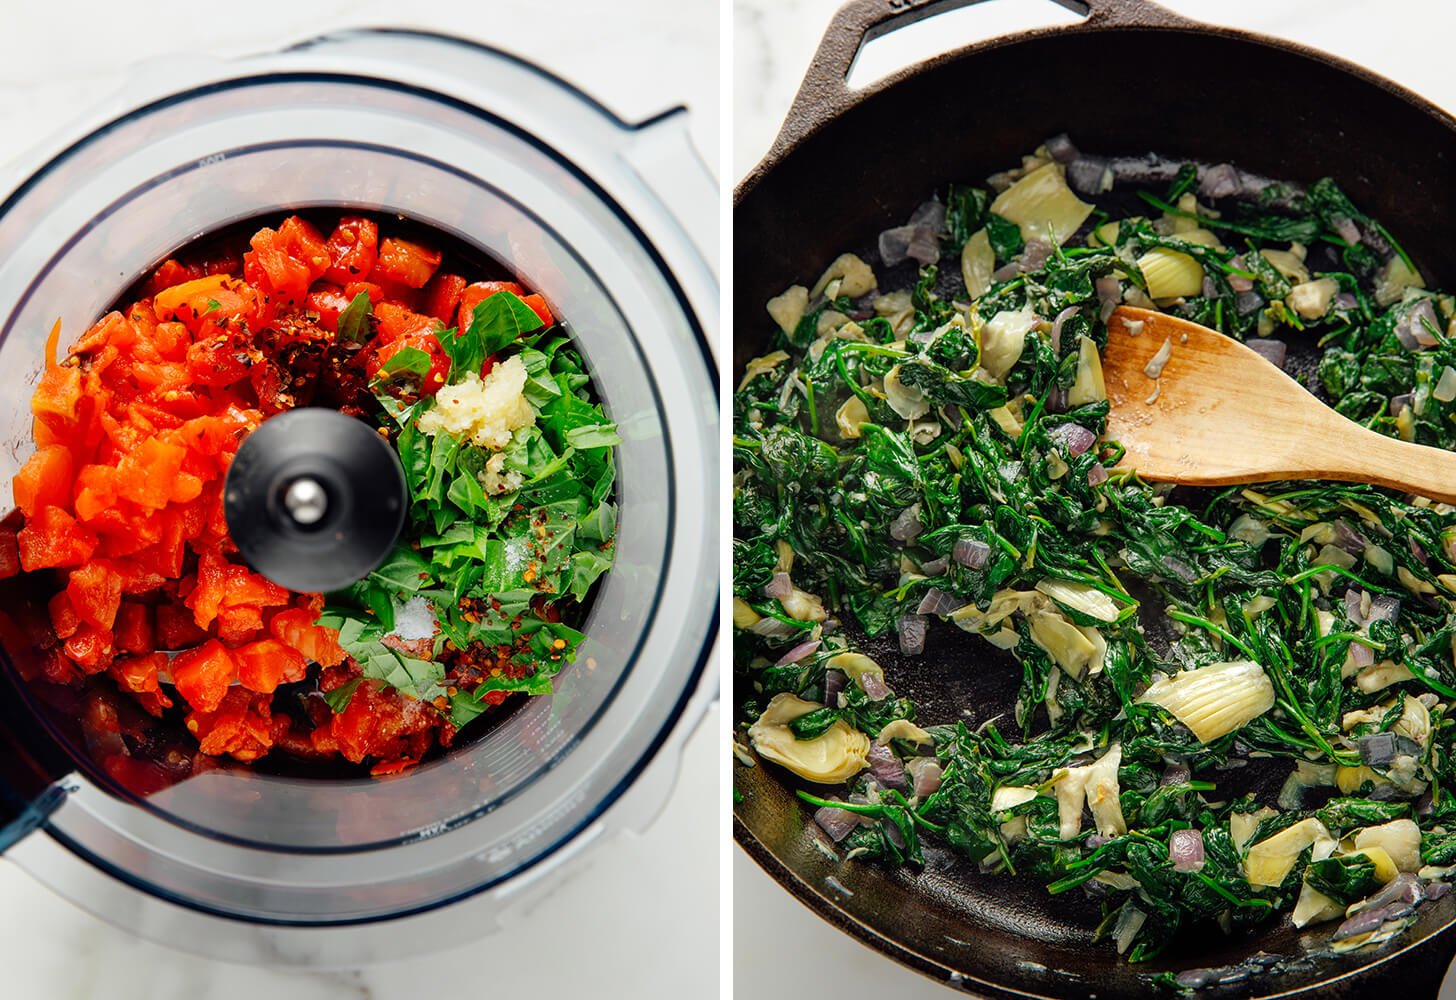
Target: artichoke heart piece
x=836 y=755
x=787 y=308
x=1216 y=699
x=978 y=261
x=1094 y=784
x=1089 y=386
x=1170 y=274
x=1003 y=338
x=1042 y=205
x=1399 y=840
x=850 y=415
x=1064 y=642
x=846 y=275
x=1270 y=861
x=1081 y=598
x=1314 y=907
x=906 y=400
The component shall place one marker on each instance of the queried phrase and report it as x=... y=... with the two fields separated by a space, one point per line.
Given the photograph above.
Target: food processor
x=615 y=224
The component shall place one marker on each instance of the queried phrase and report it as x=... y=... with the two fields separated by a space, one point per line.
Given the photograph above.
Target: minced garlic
x=486 y=411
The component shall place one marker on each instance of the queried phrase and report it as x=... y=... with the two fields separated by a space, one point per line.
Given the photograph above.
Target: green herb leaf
x=354 y=320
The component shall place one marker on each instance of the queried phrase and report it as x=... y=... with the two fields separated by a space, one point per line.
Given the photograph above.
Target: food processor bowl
x=615 y=225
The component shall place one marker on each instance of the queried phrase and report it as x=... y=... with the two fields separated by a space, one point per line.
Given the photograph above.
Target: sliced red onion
x=1383 y=607
x=1354 y=597
x=833 y=684
x=1348 y=231
x=1210 y=290
x=1178 y=568
x=1437 y=889
x=925 y=774
x=1366 y=921
x=886 y=768
x=906 y=525
x=1414 y=328
x=938 y=602
x=924 y=245
x=1089 y=175
x=1176 y=773
x=1349 y=539
x=780 y=586
x=911 y=629
x=1421 y=556
x=971 y=552
x=1033 y=255
x=1109 y=295
x=1057 y=324
x=930 y=214
x=893 y=834
x=873 y=685
x=1345 y=301
x=1361 y=655
x=1247 y=302
x=1006 y=272
x=1097 y=475
x=1398 y=403
x=838 y=823
x=771 y=628
x=951 y=414
x=1096 y=840
x=935 y=567
x=1074 y=437
x=796 y=654
x=1377 y=749
x=895 y=244
x=1219 y=181
x=1185 y=850
x=1240 y=284
x=1404 y=888
x=1273 y=351
x=1060 y=148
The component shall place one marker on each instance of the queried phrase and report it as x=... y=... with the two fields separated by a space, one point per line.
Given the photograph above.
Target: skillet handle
x=825 y=92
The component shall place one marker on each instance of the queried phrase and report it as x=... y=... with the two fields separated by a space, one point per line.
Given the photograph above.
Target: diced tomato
x=202 y=675
x=53 y=538
x=476 y=293
x=9 y=553
x=63 y=616
x=44 y=480
x=240 y=725
x=148 y=475
x=57 y=397
x=91 y=648
x=352 y=248
x=328 y=301
x=170 y=273
x=217 y=361
x=375 y=292
x=409 y=264
x=442 y=296
x=295 y=627
x=285 y=263
x=265 y=664
x=134 y=630
x=538 y=305
x=95 y=592
x=232 y=595
x=176 y=628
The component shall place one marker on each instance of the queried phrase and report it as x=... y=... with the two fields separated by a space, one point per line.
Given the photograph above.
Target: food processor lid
x=616 y=225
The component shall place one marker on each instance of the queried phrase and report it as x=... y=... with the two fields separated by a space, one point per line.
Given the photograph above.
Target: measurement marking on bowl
x=212 y=158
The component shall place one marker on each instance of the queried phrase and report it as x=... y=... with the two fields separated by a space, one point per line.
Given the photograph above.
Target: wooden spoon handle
x=1363 y=456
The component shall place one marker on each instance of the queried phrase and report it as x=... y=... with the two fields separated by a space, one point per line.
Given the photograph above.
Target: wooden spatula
x=1219 y=414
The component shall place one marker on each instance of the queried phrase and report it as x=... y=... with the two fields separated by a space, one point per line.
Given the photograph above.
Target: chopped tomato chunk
x=265 y=664
x=202 y=675
x=352 y=250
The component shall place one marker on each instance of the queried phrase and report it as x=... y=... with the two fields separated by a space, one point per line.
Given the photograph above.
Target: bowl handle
x=825 y=91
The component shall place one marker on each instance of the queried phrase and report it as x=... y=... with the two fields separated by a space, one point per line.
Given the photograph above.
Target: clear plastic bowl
x=588 y=210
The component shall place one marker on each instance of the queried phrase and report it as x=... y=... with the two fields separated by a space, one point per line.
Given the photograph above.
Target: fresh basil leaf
x=338 y=699
x=403 y=569
x=466 y=493
x=599 y=525
x=465 y=351
x=586 y=568
x=498 y=321
x=593 y=436
x=354 y=320
x=540 y=388
x=407 y=359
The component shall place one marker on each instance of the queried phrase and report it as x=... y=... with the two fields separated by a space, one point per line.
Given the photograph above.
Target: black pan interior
x=1210 y=96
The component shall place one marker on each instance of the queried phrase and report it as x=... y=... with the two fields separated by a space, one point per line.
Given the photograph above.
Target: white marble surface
x=781 y=950
x=595 y=934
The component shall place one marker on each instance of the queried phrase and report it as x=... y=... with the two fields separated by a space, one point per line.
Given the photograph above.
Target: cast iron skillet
x=1131 y=78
